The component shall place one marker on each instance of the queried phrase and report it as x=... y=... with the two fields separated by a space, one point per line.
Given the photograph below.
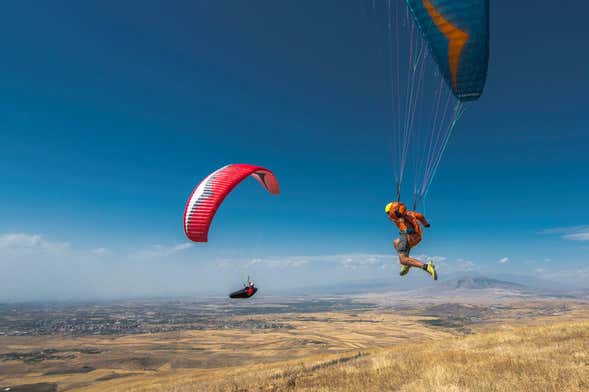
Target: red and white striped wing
x=210 y=193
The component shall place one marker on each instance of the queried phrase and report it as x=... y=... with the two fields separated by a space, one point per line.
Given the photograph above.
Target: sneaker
x=431 y=269
x=404 y=270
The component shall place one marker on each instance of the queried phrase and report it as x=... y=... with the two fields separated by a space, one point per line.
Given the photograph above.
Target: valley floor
x=522 y=346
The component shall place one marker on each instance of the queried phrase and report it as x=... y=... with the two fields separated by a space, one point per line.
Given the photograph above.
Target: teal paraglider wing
x=457 y=33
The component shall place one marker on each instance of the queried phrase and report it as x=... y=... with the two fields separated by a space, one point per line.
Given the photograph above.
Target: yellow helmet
x=395 y=207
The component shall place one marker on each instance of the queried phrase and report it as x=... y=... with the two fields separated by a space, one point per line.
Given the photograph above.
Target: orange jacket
x=409 y=222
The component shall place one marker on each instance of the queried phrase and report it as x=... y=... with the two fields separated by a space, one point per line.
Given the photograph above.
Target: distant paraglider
x=248 y=291
x=210 y=193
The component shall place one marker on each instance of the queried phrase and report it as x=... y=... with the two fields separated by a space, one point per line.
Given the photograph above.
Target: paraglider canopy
x=438 y=52
x=457 y=34
x=210 y=193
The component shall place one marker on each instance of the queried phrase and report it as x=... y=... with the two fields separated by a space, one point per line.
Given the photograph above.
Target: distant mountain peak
x=481 y=282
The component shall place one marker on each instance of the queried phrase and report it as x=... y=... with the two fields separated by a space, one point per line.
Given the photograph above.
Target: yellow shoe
x=431 y=269
x=404 y=270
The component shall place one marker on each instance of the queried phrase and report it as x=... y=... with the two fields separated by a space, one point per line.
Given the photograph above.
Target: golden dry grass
x=328 y=351
x=140 y=362
x=540 y=358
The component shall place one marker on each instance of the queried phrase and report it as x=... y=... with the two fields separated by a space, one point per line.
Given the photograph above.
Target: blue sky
x=111 y=113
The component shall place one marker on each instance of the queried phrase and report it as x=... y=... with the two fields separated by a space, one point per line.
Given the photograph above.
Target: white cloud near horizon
x=157 y=251
x=351 y=262
x=575 y=274
x=570 y=233
x=466 y=266
x=34 y=267
x=101 y=252
x=30 y=242
x=27 y=243
x=348 y=261
x=581 y=236
x=453 y=266
x=37 y=267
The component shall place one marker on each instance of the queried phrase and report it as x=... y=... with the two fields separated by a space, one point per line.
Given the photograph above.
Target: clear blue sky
x=111 y=112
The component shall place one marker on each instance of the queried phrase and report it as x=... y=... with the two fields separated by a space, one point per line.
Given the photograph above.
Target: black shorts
x=403 y=245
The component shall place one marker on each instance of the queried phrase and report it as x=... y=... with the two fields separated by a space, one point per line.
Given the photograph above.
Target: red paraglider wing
x=210 y=193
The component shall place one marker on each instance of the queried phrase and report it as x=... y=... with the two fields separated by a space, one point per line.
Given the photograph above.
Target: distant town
x=150 y=316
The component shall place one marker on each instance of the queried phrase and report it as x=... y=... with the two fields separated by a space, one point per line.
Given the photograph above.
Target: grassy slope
x=540 y=358
x=514 y=352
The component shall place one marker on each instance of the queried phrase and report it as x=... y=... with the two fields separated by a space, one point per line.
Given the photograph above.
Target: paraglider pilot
x=410 y=234
x=250 y=287
x=247 y=291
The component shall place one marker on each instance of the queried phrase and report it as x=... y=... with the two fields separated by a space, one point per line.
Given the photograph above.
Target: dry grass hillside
x=520 y=346
x=539 y=358
x=137 y=362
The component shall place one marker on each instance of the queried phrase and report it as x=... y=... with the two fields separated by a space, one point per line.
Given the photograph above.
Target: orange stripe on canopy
x=456 y=39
